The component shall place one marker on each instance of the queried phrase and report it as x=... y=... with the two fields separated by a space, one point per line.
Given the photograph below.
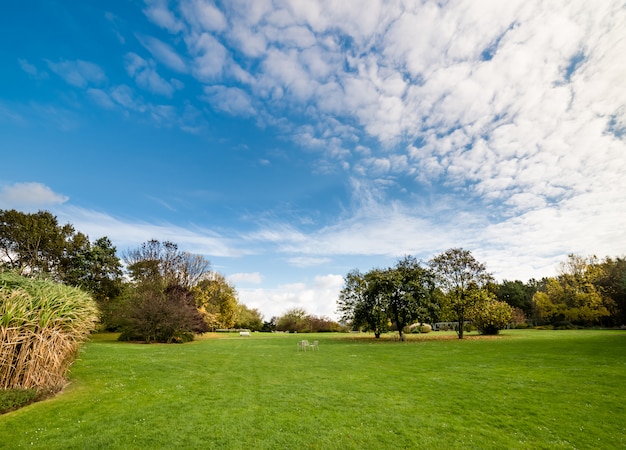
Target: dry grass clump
x=42 y=324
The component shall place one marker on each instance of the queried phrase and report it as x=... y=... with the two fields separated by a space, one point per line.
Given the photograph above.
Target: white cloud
x=29 y=196
x=157 y=11
x=317 y=297
x=146 y=76
x=246 y=278
x=78 y=73
x=163 y=53
x=231 y=100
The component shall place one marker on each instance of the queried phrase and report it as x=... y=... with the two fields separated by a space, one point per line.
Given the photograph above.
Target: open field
x=524 y=389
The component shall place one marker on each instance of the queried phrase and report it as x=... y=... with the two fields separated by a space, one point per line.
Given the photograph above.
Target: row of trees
x=452 y=287
x=164 y=295
x=168 y=294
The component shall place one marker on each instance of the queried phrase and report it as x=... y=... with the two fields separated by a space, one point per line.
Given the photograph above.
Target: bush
x=42 y=324
x=168 y=316
x=425 y=328
x=11 y=399
x=490 y=316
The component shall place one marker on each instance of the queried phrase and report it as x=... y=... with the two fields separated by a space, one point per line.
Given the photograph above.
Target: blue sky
x=290 y=142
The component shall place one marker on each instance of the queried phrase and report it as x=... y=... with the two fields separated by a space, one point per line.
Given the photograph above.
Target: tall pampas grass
x=42 y=325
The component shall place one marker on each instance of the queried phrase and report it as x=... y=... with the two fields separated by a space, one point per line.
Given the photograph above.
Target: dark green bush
x=11 y=399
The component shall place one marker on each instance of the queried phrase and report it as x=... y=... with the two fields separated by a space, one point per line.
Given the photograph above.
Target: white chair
x=315 y=345
x=303 y=345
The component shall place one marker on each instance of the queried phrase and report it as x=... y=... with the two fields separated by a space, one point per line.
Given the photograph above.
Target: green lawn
x=524 y=389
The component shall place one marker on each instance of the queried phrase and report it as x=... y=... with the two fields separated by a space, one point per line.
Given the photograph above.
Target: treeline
x=587 y=291
x=159 y=294
x=454 y=287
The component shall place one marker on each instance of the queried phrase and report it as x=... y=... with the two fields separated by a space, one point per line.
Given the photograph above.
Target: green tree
x=516 y=293
x=217 y=301
x=573 y=296
x=362 y=303
x=488 y=314
x=399 y=294
x=248 y=318
x=408 y=289
x=611 y=282
x=159 y=305
x=294 y=320
x=459 y=275
x=35 y=243
x=94 y=267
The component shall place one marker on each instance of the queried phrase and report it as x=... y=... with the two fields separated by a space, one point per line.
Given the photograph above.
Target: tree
x=408 y=288
x=164 y=261
x=247 y=318
x=361 y=302
x=516 y=294
x=217 y=301
x=295 y=320
x=573 y=296
x=160 y=305
x=95 y=268
x=161 y=315
x=459 y=275
x=488 y=314
x=35 y=243
x=399 y=294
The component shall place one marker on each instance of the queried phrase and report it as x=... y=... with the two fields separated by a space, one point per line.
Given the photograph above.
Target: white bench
x=244 y=333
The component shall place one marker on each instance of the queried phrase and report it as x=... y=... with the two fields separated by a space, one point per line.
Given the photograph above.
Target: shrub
x=168 y=316
x=42 y=324
x=490 y=316
x=426 y=328
x=11 y=399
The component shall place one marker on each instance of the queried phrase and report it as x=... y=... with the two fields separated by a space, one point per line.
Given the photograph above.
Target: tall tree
x=217 y=301
x=459 y=274
x=409 y=290
x=164 y=261
x=35 y=243
x=399 y=294
x=362 y=303
x=573 y=296
x=94 y=267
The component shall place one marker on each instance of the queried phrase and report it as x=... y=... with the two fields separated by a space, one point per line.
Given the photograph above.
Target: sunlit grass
x=524 y=389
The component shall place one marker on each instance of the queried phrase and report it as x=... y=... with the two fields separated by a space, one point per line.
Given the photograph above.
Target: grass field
x=524 y=389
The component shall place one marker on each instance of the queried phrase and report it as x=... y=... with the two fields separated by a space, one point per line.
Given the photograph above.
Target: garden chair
x=315 y=345
x=303 y=345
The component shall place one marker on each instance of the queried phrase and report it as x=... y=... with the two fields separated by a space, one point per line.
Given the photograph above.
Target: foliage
x=15 y=398
x=397 y=295
x=217 y=301
x=489 y=315
x=250 y=319
x=294 y=320
x=163 y=261
x=34 y=243
x=573 y=296
x=94 y=267
x=517 y=294
x=460 y=276
x=361 y=304
x=157 y=315
x=42 y=324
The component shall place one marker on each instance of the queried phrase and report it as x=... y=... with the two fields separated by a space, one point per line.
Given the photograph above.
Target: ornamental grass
x=42 y=324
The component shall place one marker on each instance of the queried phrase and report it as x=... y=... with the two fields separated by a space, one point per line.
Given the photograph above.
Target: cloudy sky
x=291 y=141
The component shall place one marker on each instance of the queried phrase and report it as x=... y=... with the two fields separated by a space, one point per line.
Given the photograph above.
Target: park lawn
x=523 y=389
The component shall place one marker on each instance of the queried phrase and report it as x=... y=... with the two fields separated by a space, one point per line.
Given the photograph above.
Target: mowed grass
x=524 y=389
